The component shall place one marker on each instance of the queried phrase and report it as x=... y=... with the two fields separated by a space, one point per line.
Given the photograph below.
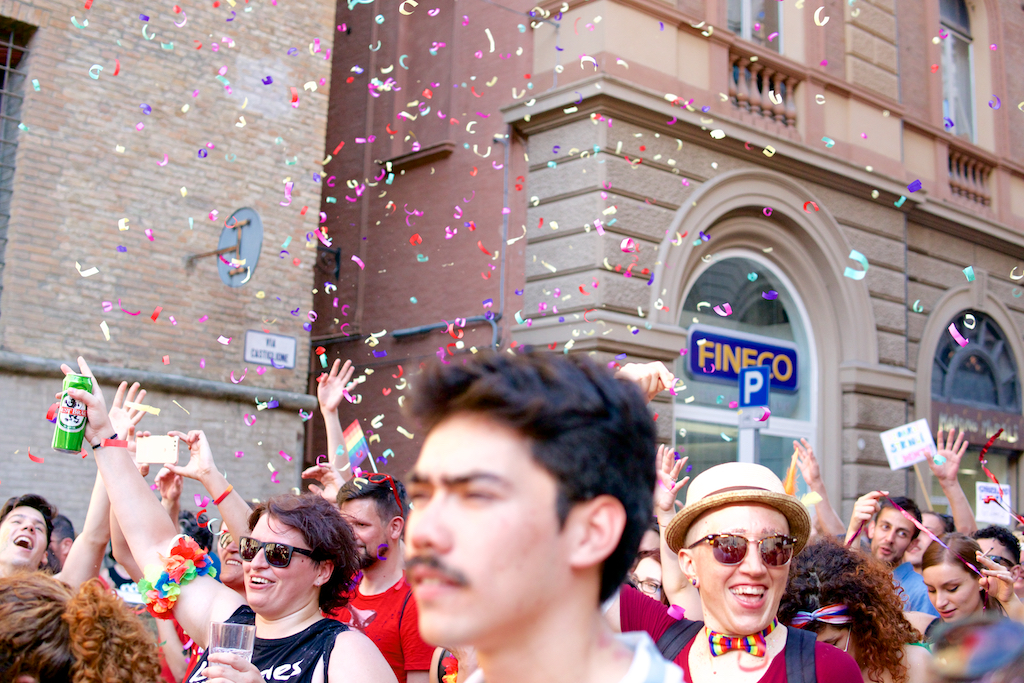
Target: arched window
x=982 y=374
x=957 y=68
x=758 y=21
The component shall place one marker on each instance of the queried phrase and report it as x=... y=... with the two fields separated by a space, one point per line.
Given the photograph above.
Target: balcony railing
x=763 y=91
x=968 y=178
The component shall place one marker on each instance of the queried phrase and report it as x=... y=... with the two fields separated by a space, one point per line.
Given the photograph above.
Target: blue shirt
x=915 y=593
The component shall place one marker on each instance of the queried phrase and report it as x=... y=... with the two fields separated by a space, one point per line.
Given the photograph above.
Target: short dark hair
x=1003 y=536
x=380 y=493
x=907 y=504
x=588 y=430
x=326 y=532
x=948 y=525
x=63 y=528
x=196 y=527
x=31 y=500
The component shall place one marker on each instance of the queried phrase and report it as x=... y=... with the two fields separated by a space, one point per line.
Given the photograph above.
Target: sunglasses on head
x=381 y=478
x=278 y=554
x=730 y=549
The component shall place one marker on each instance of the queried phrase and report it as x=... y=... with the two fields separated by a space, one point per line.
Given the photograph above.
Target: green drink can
x=71 y=416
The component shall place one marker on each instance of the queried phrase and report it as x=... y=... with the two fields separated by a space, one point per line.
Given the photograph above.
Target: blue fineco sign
x=718 y=355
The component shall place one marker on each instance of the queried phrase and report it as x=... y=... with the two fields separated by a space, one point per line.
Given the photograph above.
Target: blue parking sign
x=755 y=383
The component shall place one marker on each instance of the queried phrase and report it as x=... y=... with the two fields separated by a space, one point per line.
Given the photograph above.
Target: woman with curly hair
x=49 y=632
x=848 y=600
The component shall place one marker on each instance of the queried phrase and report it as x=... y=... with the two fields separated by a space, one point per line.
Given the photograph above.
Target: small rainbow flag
x=355 y=444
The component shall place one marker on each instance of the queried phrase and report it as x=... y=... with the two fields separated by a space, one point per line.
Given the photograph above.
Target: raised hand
x=121 y=418
x=200 y=463
x=331 y=387
x=169 y=484
x=652 y=378
x=863 y=510
x=996 y=579
x=667 y=487
x=97 y=424
x=807 y=464
x=330 y=479
x=946 y=464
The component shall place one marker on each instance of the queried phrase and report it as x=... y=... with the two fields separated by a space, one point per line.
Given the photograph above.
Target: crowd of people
x=538 y=537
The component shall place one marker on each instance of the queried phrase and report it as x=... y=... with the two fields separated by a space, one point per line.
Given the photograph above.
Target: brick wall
x=72 y=186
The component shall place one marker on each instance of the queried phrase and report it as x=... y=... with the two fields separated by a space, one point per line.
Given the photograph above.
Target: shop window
x=758 y=21
x=957 y=68
x=765 y=327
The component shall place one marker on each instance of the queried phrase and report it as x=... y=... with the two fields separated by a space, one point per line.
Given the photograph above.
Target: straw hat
x=737 y=483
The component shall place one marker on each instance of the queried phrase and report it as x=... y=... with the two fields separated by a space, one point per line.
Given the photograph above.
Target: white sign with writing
x=908 y=444
x=269 y=349
x=992 y=512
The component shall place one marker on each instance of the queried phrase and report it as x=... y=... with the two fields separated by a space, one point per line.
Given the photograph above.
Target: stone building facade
x=685 y=169
x=143 y=132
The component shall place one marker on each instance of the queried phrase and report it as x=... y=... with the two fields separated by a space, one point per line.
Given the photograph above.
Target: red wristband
x=113 y=443
x=221 y=497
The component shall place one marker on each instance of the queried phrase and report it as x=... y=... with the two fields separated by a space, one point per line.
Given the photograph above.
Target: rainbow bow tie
x=754 y=644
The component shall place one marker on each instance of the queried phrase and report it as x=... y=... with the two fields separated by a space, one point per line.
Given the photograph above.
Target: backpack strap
x=676 y=636
x=800 y=666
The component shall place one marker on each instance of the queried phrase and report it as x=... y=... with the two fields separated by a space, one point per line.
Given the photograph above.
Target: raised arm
x=863 y=510
x=150 y=532
x=652 y=378
x=828 y=518
x=85 y=558
x=951 y=452
x=330 y=391
x=232 y=507
x=665 y=490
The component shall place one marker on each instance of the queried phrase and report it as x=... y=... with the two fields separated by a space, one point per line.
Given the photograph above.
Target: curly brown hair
x=827 y=573
x=51 y=633
x=326 y=532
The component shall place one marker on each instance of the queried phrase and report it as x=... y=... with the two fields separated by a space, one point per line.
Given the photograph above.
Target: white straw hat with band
x=738 y=483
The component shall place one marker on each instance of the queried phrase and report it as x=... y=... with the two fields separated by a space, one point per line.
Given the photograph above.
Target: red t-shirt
x=392 y=623
x=638 y=612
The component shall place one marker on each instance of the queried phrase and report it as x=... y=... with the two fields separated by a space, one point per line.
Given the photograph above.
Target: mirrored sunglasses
x=278 y=554
x=730 y=549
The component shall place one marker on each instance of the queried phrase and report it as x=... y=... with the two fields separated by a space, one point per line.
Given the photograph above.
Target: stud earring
x=694 y=582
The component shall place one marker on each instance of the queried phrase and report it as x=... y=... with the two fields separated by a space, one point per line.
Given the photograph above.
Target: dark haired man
x=529 y=499
x=61 y=539
x=1002 y=547
x=381 y=606
x=26 y=525
x=891 y=533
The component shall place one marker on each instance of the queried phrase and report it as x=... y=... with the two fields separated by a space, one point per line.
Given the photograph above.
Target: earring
x=694 y=582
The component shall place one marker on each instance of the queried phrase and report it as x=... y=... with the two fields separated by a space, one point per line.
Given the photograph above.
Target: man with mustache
x=381 y=606
x=529 y=499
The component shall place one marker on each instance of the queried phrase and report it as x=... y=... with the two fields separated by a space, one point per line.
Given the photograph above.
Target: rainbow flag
x=355 y=444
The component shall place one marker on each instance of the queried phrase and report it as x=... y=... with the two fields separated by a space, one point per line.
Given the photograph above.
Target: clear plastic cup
x=234 y=639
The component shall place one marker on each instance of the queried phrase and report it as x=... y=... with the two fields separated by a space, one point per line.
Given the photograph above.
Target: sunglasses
x=380 y=478
x=1001 y=560
x=225 y=539
x=730 y=549
x=278 y=554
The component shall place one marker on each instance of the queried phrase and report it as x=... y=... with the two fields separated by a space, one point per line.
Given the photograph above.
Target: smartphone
x=162 y=450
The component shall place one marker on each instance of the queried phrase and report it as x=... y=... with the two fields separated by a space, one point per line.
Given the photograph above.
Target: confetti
x=34 y=458
x=86 y=273
x=856 y=274
x=956 y=335
x=143 y=407
x=969 y=273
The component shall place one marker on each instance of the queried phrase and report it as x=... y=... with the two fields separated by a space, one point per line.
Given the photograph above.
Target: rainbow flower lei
x=160 y=586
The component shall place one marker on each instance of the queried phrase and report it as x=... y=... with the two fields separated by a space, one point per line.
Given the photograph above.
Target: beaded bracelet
x=160 y=586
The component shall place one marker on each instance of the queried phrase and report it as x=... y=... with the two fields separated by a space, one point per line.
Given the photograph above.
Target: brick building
x=664 y=158
x=144 y=131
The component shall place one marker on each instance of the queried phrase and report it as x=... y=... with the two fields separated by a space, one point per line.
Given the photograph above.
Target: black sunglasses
x=380 y=478
x=730 y=549
x=278 y=554
x=1001 y=560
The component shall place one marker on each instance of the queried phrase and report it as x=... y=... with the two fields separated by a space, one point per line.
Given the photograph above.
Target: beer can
x=71 y=416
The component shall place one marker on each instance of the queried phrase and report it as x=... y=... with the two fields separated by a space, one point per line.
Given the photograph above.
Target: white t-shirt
x=648 y=666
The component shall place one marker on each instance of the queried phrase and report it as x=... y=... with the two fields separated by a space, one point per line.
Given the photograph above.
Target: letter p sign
x=755 y=383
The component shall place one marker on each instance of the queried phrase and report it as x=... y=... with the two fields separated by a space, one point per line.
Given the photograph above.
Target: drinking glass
x=235 y=639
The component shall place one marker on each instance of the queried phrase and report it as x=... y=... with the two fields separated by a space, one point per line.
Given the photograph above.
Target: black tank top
x=289 y=660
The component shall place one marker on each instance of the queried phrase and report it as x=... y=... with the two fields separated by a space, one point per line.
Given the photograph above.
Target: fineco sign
x=718 y=355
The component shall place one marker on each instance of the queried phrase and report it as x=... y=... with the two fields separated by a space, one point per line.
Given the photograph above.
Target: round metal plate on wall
x=243 y=228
